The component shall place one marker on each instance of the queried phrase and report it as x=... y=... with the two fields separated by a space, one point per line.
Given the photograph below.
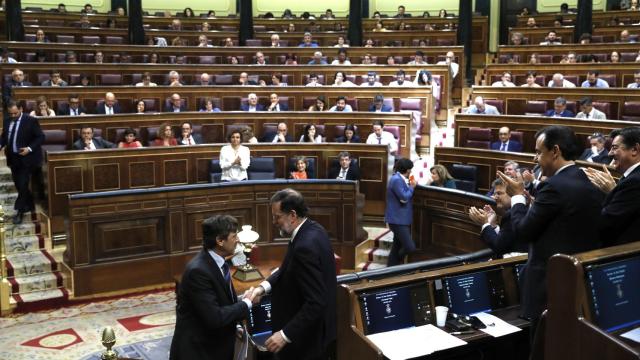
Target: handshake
x=254 y=294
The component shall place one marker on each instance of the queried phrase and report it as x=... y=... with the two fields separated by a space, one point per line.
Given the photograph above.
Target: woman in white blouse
x=234 y=158
x=309 y=135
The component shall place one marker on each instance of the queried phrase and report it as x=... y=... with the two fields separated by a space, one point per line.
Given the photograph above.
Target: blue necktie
x=226 y=273
x=503 y=147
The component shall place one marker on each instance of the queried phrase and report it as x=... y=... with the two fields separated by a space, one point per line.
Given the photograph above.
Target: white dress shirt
x=386 y=138
x=219 y=260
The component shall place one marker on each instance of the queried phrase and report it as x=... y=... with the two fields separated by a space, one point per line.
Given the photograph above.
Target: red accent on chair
x=499 y=104
x=631 y=111
x=538 y=107
x=479 y=138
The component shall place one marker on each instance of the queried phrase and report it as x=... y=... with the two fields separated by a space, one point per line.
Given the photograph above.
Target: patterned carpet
x=143 y=325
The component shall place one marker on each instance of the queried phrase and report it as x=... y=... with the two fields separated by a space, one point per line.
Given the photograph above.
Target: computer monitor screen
x=260 y=320
x=394 y=308
x=615 y=294
x=468 y=293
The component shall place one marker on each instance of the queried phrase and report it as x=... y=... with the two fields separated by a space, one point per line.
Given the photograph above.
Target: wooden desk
x=515 y=98
x=75 y=172
x=152 y=233
x=571 y=327
x=353 y=344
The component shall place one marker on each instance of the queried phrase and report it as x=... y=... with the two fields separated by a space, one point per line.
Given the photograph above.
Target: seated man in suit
x=347 y=170
x=175 y=104
x=479 y=107
x=174 y=79
x=204 y=80
x=597 y=153
x=593 y=80
x=280 y=136
x=54 y=79
x=188 y=137
x=498 y=237
x=401 y=12
x=88 y=142
x=505 y=143
x=378 y=105
x=17 y=80
x=110 y=106
x=208 y=307
x=588 y=111
x=73 y=107
x=620 y=215
x=636 y=80
x=252 y=104
x=559 y=108
x=275 y=104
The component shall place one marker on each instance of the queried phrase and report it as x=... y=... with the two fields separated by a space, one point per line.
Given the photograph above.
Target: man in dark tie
x=620 y=216
x=560 y=218
x=88 y=142
x=303 y=289
x=559 y=109
x=73 y=108
x=347 y=169
x=208 y=309
x=506 y=143
x=110 y=105
x=187 y=136
x=21 y=139
x=597 y=152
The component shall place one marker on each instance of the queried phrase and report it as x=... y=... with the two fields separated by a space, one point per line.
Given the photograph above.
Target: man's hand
x=275 y=343
x=528 y=176
x=491 y=214
x=412 y=182
x=248 y=294
x=601 y=179
x=24 y=151
x=257 y=294
x=281 y=137
x=478 y=216
x=514 y=186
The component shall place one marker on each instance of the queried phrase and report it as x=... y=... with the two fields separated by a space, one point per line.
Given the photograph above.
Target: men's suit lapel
x=217 y=274
x=292 y=244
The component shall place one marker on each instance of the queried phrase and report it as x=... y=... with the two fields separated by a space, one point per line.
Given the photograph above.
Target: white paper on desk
x=632 y=335
x=499 y=328
x=414 y=342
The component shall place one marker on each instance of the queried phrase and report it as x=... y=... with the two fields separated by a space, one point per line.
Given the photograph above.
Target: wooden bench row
x=528 y=126
x=522 y=53
x=598 y=18
x=74 y=172
x=617 y=75
x=230 y=97
x=616 y=103
x=130 y=74
x=600 y=34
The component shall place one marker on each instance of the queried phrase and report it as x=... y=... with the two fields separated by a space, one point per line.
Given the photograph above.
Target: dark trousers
x=21 y=175
x=402 y=244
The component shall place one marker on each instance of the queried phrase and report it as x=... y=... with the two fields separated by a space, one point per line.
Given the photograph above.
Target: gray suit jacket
x=597 y=115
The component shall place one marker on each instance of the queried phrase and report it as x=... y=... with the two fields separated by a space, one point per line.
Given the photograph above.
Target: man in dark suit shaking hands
x=561 y=217
x=21 y=139
x=303 y=289
x=207 y=306
x=620 y=216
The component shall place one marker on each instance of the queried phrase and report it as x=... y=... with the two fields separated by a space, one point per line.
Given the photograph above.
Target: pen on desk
x=467 y=332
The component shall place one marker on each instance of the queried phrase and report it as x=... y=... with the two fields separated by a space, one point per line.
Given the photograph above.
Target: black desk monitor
x=395 y=308
x=260 y=321
x=614 y=294
x=474 y=292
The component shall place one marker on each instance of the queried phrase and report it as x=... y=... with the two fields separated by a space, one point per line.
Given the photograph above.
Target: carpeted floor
x=143 y=325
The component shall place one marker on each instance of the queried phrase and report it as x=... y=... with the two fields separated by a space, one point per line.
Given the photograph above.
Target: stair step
x=40 y=282
x=31 y=263
x=22 y=244
x=40 y=295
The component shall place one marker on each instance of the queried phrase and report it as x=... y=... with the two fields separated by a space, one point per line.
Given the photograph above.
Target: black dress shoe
x=17 y=218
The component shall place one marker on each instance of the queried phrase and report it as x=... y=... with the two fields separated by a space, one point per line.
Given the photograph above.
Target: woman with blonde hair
x=440 y=177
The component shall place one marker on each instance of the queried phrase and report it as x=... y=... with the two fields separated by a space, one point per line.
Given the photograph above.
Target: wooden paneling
x=155 y=241
x=146 y=170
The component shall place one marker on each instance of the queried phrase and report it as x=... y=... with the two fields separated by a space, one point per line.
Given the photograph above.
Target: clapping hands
x=514 y=186
x=603 y=180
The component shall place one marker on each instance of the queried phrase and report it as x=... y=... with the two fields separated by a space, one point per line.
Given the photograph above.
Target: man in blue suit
x=561 y=218
x=252 y=104
x=399 y=211
x=505 y=143
x=379 y=105
x=559 y=109
x=276 y=105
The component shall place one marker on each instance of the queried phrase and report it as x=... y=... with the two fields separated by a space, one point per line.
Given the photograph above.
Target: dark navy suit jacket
x=503 y=242
x=303 y=295
x=565 y=113
x=558 y=221
x=385 y=108
x=245 y=107
x=620 y=217
x=513 y=146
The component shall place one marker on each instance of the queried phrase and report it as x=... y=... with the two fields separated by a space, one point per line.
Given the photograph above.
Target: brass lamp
x=248 y=239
